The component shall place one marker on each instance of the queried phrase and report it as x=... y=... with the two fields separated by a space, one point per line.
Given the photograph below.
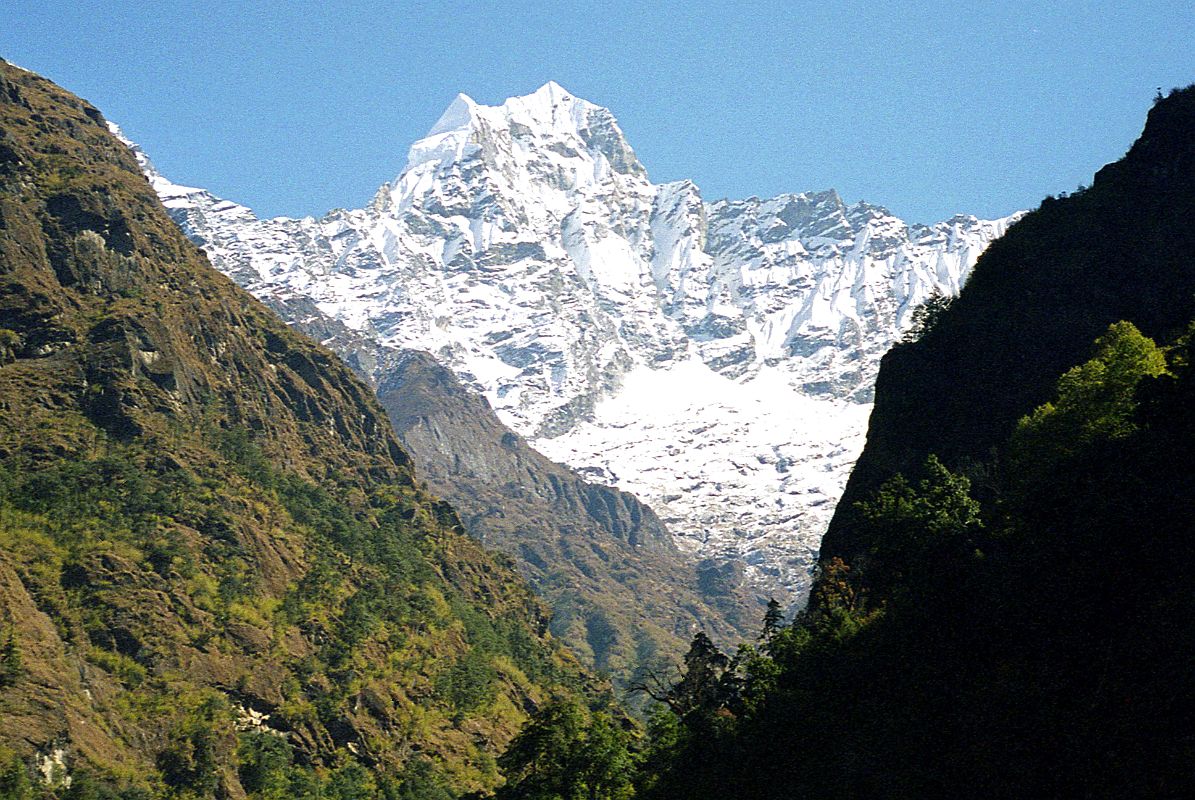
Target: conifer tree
x=700 y=688
x=773 y=621
x=14 y=778
x=927 y=315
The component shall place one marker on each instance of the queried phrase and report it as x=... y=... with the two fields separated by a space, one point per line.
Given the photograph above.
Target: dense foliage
x=1039 y=645
x=1014 y=618
x=219 y=578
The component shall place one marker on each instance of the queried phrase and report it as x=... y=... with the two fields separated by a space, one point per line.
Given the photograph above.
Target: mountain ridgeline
x=218 y=573
x=622 y=596
x=715 y=359
x=221 y=578
x=1118 y=250
x=1016 y=621
x=1004 y=606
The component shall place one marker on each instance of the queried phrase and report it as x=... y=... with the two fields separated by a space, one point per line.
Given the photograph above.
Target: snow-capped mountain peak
x=569 y=144
x=457 y=117
x=550 y=107
x=526 y=249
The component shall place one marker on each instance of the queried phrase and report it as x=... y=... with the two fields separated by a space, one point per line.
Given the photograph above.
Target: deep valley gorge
x=533 y=479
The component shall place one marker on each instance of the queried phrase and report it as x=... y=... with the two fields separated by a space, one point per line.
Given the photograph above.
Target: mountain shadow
x=1038 y=297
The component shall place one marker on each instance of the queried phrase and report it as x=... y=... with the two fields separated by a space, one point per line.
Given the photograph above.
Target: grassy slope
x=201 y=511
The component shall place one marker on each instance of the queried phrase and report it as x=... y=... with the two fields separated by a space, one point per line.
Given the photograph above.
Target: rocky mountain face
x=218 y=573
x=1119 y=250
x=714 y=359
x=622 y=595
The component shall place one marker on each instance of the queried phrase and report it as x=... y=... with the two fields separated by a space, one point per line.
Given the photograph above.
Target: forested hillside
x=217 y=574
x=621 y=594
x=220 y=578
x=1037 y=645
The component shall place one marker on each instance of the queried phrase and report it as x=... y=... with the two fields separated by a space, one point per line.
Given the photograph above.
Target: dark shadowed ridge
x=1119 y=250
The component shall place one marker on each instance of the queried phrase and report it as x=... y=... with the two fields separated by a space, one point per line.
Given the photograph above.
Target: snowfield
x=715 y=359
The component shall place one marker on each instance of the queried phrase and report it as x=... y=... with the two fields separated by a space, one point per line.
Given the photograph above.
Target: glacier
x=716 y=359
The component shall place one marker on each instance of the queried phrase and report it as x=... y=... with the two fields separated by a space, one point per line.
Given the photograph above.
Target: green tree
x=702 y=688
x=14 y=777
x=198 y=745
x=538 y=764
x=419 y=781
x=350 y=781
x=604 y=762
x=566 y=754
x=913 y=526
x=773 y=621
x=927 y=315
x=1095 y=402
x=666 y=738
x=10 y=345
x=265 y=765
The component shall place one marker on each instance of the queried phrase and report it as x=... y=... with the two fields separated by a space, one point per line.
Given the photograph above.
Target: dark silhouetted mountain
x=1119 y=250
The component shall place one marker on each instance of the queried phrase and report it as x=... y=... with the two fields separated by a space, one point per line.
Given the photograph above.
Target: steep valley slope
x=623 y=597
x=1006 y=612
x=1119 y=250
x=218 y=572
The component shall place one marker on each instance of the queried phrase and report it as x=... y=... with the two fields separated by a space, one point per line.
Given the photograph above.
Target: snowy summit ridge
x=549 y=106
x=715 y=359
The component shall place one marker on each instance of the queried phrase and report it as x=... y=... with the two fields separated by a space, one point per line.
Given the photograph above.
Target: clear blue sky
x=929 y=108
